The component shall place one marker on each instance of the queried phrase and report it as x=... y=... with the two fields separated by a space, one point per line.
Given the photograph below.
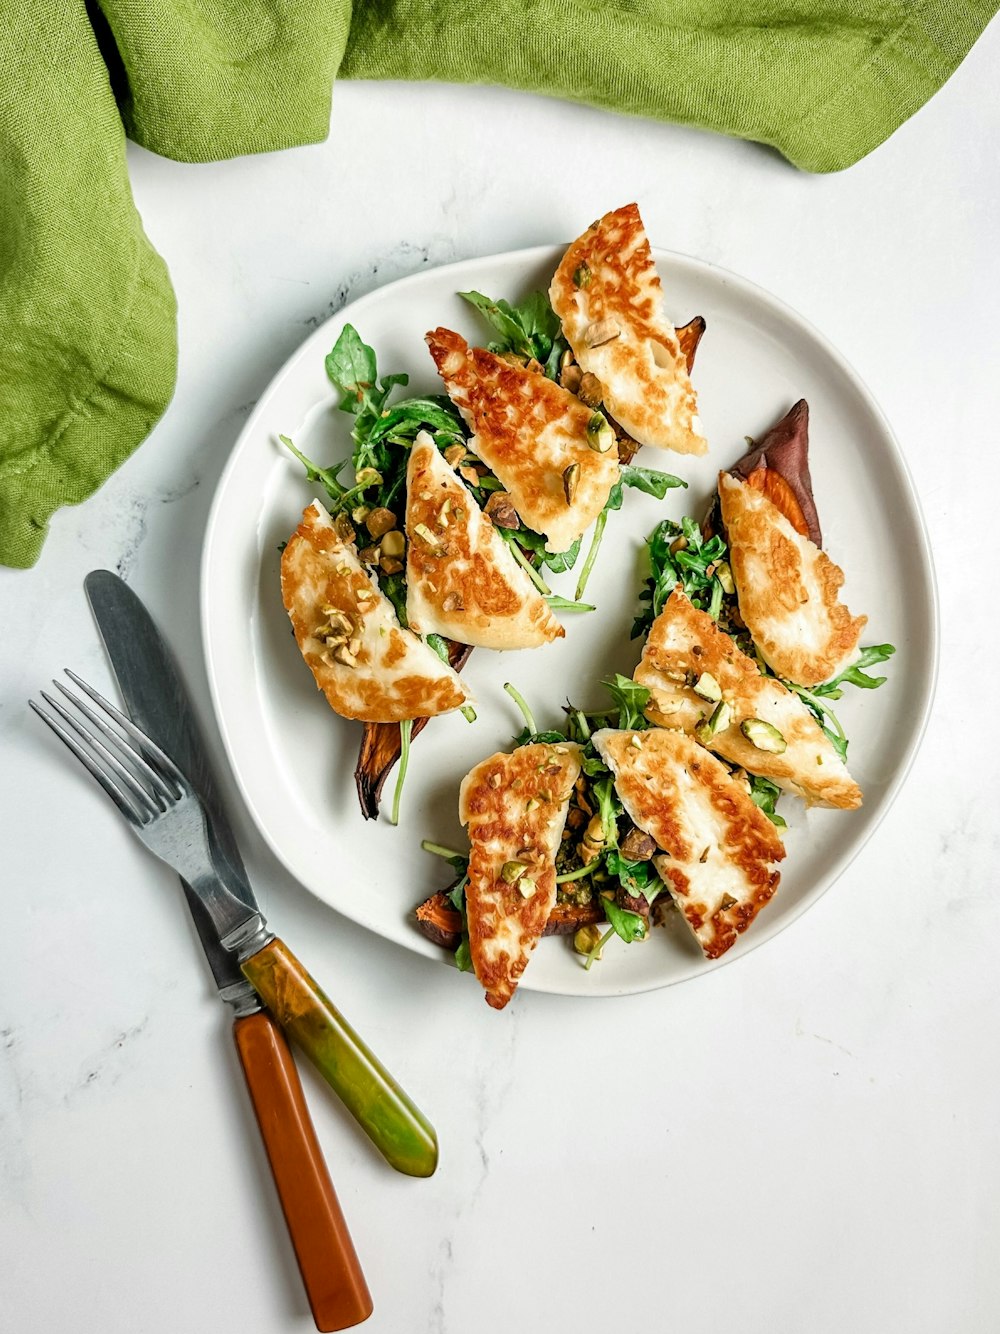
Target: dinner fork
x=166 y=814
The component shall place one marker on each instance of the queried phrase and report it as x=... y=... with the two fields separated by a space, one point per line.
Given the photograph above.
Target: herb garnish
x=531 y=330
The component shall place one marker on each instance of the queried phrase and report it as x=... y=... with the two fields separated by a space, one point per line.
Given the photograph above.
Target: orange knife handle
x=331 y=1272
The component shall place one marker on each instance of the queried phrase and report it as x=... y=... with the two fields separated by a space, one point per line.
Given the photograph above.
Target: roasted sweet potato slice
x=778 y=465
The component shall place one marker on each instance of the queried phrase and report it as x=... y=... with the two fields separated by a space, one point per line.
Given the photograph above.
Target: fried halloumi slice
x=607 y=293
x=461 y=579
x=685 y=648
x=787 y=589
x=366 y=664
x=515 y=807
x=721 y=850
x=531 y=432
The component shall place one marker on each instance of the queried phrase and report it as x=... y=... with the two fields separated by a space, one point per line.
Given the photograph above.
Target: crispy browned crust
x=661 y=785
x=784 y=579
x=465 y=579
x=442 y=924
x=683 y=643
x=778 y=465
x=643 y=370
x=515 y=808
x=318 y=570
x=508 y=408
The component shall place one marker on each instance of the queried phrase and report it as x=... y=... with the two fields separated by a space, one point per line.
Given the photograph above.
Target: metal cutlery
x=154 y=767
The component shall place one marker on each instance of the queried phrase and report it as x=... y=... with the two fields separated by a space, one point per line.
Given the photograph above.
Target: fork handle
x=397 y=1128
x=336 y=1288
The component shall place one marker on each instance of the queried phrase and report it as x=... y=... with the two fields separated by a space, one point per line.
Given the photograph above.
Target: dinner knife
x=158 y=702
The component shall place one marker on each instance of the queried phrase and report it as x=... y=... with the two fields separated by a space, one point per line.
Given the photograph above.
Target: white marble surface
x=807 y=1141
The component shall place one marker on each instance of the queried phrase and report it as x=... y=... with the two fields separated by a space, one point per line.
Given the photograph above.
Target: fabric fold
x=87 y=315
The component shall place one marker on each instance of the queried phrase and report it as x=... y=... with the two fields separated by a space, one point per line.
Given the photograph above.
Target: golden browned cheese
x=720 y=849
x=528 y=430
x=394 y=675
x=685 y=643
x=607 y=294
x=788 y=589
x=461 y=579
x=515 y=808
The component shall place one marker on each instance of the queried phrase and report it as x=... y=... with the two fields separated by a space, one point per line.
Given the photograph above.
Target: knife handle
x=397 y=1128
x=331 y=1272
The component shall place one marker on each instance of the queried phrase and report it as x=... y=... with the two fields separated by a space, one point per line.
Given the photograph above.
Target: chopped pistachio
x=454 y=454
x=571 y=480
x=511 y=872
x=344 y=656
x=526 y=886
x=635 y=741
x=343 y=527
x=360 y=513
x=595 y=833
x=763 y=735
x=393 y=543
x=590 y=390
x=725 y=577
x=368 y=477
x=587 y=939
x=423 y=531
x=391 y=565
x=601 y=332
x=708 y=687
x=600 y=436
x=582 y=275
x=380 y=521
x=720 y=718
x=452 y=602
x=369 y=555
x=494 y=780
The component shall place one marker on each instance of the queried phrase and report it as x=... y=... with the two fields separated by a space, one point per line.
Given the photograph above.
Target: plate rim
x=524 y=258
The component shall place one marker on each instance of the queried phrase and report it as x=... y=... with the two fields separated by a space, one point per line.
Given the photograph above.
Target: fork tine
x=148 y=804
x=146 y=771
x=120 y=798
x=137 y=734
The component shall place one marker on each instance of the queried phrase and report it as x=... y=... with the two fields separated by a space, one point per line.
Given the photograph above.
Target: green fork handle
x=397 y=1128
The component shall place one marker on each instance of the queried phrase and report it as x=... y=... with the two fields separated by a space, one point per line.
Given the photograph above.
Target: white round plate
x=294 y=759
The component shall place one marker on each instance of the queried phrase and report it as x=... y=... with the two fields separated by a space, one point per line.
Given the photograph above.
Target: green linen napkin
x=87 y=316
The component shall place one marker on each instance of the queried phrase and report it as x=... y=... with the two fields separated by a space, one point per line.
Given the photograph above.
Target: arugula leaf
x=855 y=674
x=351 y=366
x=629 y=925
x=650 y=481
x=327 y=477
x=531 y=330
x=557 y=561
x=688 y=566
x=631 y=699
x=830 y=724
x=558 y=603
x=765 y=794
x=608 y=808
x=436 y=643
x=638 y=878
x=463 y=955
x=404 y=419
